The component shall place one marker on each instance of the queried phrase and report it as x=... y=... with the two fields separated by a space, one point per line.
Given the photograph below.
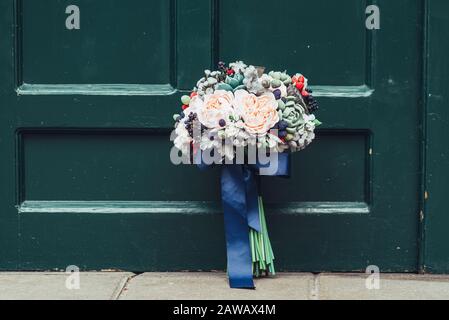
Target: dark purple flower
x=282 y=134
x=277 y=94
x=283 y=125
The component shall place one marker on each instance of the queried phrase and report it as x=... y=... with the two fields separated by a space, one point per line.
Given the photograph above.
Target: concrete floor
x=214 y=286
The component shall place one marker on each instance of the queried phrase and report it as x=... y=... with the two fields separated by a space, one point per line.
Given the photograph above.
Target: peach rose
x=259 y=113
x=213 y=108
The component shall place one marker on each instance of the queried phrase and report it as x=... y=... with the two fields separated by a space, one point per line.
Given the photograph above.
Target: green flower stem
x=261 y=250
x=253 y=250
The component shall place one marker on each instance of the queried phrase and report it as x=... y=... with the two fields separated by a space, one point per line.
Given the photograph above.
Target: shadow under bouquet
x=249 y=122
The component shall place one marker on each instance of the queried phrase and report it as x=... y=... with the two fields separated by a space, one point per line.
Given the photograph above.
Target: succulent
x=281 y=76
x=241 y=87
x=296 y=126
x=281 y=105
x=251 y=80
x=224 y=86
x=235 y=81
x=209 y=82
x=275 y=83
x=238 y=67
x=294 y=94
x=293 y=116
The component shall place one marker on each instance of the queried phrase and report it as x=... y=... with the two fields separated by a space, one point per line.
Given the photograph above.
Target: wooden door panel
x=118 y=42
x=286 y=36
x=107 y=166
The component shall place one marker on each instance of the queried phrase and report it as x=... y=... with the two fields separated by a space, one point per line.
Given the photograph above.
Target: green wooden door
x=85 y=116
x=435 y=256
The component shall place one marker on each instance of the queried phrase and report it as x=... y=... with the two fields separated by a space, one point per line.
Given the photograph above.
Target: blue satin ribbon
x=239 y=194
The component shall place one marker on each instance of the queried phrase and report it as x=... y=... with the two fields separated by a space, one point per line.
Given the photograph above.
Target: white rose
x=213 y=108
x=258 y=113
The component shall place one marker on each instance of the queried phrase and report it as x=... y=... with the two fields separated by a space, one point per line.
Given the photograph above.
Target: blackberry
x=222 y=123
x=190 y=123
x=312 y=104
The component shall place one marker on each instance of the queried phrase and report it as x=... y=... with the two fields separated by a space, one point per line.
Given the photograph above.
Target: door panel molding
x=96 y=89
x=187 y=207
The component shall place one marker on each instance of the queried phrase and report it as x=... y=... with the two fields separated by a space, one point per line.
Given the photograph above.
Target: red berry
x=300 y=86
x=305 y=93
x=230 y=72
x=193 y=94
x=184 y=107
x=302 y=79
x=294 y=79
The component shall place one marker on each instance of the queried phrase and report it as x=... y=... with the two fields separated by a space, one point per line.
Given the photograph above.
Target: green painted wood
x=436 y=245
x=287 y=37
x=9 y=229
x=96 y=89
x=85 y=147
x=185 y=207
x=195 y=45
x=103 y=50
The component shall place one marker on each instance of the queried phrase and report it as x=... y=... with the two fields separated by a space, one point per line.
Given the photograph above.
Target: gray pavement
x=214 y=286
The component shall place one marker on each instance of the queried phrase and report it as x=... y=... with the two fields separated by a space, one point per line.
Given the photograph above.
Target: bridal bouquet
x=245 y=120
x=246 y=106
